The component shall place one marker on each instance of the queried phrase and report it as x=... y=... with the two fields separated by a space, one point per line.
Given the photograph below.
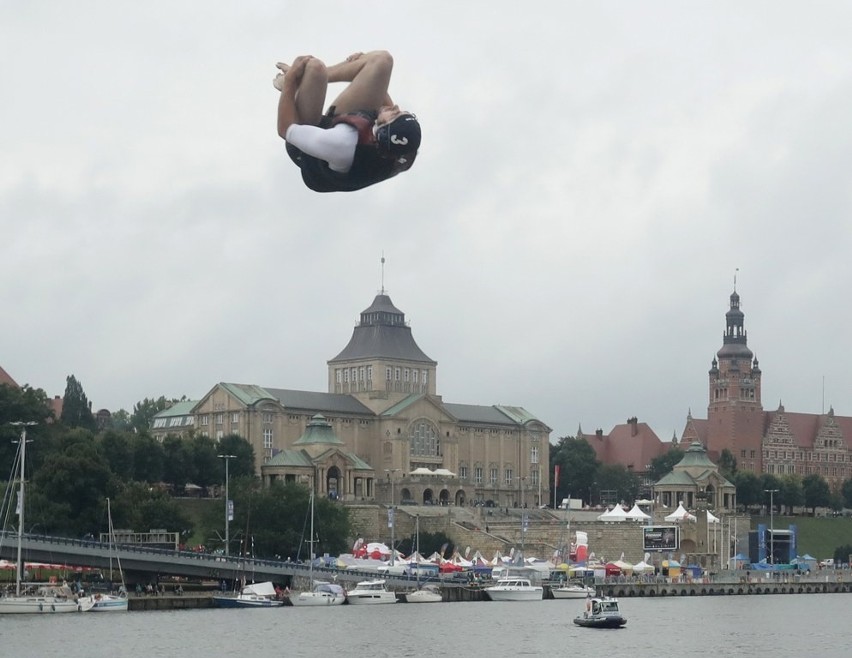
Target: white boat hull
x=424 y=596
x=572 y=592
x=373 y=598
x=105 y=603
x=36 y=605
x=308 y=599
x=534 y=594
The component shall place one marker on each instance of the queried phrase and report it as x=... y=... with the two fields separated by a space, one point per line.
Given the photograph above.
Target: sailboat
x=47 y=598
x=109 y=602
x=430 y=592
x=321 y=593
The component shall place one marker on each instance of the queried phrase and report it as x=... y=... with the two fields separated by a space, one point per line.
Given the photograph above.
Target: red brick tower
x=735 y=413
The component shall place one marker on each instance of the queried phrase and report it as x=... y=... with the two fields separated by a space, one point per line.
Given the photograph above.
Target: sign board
x=660 y=538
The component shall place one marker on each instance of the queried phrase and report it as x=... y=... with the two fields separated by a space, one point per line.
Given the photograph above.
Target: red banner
x=555 y=476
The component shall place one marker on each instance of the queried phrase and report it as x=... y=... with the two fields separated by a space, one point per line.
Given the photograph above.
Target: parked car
x=828 y=563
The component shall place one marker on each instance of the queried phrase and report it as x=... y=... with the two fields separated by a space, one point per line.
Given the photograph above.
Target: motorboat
x=370 y=592
x=429 y=593
x=322 y=593
x=572 y=591
x=39 y=600
x=256 y=595
x=601 y=613
x=515 y=589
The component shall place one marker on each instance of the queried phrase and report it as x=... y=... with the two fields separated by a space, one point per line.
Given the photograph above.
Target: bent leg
x=368 y=76
x=310 y=96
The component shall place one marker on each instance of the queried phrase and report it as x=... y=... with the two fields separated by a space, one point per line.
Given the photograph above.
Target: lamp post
x=391 y=513
x=771 y=493
x=228 y=507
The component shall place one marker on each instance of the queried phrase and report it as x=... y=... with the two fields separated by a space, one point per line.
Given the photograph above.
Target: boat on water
x=512 y=588
x=321 y=593
x=601 y=613
x=256 y=595
x=429 y=593
x=33 y=599
x=370 y=592
x=572 y=591
x=109 y=602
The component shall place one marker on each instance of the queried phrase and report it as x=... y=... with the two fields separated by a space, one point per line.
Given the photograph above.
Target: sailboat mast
x=311 y=543
x=20 y=564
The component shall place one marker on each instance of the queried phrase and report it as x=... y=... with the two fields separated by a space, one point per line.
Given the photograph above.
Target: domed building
x=382 y=432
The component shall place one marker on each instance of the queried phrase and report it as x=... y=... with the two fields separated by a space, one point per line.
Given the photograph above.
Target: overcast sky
x=592 y=175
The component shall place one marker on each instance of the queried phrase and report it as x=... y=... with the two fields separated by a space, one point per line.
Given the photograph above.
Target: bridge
x=142 y=564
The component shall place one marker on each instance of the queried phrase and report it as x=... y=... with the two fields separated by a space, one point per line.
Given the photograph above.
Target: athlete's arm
x=335 y=145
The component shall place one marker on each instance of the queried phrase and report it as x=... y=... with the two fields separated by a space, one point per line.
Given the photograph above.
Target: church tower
x=735 y=412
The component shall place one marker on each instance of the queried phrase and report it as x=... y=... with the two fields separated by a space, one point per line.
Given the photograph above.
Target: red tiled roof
x=633 y=450
x=5 y=378
x=805 y=427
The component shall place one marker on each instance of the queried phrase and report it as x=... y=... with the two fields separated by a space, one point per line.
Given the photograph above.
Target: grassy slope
x=818 y=537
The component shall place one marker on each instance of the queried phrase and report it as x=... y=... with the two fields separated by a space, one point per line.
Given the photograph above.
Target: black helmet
x=399 y=137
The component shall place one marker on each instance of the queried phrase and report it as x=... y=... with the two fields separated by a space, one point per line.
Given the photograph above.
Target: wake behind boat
x=601 y=613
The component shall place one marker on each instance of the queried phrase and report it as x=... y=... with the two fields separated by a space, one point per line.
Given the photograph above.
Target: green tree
x=118 y=450
x=749 y=491
x=139 y=508
x=208 y=466
x=616 y=478
x=664 y=464
x=790 y=492
x=243 y=464
x=578 y=466
x=120 y=420
x=178 y=462
x=76 y=410
x=147 y=458
x=144 y=411
x=846 y=491
x=24 y=405
x=727 y=464
x=816 y=490
x=69 y=487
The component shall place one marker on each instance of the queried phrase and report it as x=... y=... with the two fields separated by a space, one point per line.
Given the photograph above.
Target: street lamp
x=229 y=509
x=391 y=519
x=771 y=493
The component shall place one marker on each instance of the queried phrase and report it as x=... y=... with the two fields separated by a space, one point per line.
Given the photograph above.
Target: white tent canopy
x=711 y=518
x=681 y=514
x=637 y=514
x=617 y=513
x=421 y=471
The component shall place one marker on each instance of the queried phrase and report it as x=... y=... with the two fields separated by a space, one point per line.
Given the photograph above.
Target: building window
x=425 y=374
x=423 y=438
x=396 y=373
x=493 y=476
x=477 y=475
x=220 y=419
x=462 y=471
x=414 y=375
x=204 y=419
x=370 y=373
x=267 y=438
x=362 y=373
x=235 y=417
x=388 y=374
x=338 y=375
x=534 y=477
x=508 y=478
x=534 y=455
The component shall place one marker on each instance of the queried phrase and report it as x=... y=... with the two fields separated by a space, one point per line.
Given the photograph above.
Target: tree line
x=583 y=476
x=73 y=466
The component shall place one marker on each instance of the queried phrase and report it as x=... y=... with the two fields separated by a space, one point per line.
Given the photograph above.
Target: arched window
x=423 y=438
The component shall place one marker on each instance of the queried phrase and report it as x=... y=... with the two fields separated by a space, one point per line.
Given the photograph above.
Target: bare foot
x=278 y=81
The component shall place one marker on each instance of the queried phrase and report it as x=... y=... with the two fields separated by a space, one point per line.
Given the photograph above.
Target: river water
x=813 y=625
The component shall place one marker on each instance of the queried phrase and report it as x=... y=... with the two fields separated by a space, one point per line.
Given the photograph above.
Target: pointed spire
x=383 y=273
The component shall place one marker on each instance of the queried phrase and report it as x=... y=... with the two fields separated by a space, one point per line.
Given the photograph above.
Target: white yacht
x=321 y=594
x=515 y=589
x=429 y=593
x=572 y=591
x=369 y=592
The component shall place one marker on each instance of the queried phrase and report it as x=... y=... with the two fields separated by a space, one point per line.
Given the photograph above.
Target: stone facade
x=383 y=406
